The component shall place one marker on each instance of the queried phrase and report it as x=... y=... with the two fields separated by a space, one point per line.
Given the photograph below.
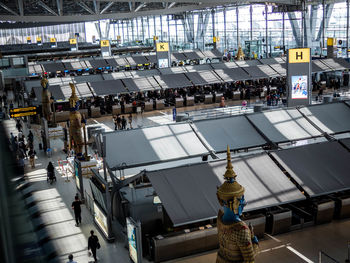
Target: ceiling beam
x=97 y=6
x=84 y=6
x=171 y=4
x=20 y=7
x=8 y=9
x=119 y=15
x=236 y=2
x=59 y=4
x=140 y=6
x=106 y=7
x=47 y=8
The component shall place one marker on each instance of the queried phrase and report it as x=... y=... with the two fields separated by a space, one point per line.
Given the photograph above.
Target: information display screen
x=101 y=219
x=163 y=63
x=299 y=87
x=131 y=229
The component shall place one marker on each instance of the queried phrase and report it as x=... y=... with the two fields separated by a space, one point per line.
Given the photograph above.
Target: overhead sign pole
x=105 y=48
x=29 y=40
x=39 y=41
x=163 y=55
x=299 y=77
x=332 y=50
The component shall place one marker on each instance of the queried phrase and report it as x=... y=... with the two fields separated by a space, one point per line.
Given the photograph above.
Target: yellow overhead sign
x=29 y=38
x=331 y=41
x=162 y=47
x=155 y=38
x=72 y=41
x=119 y=37
x=216 y=39
x=21 y=112
x=52 y=40
x=38 y=39
x=299 y=55
x=104 y=43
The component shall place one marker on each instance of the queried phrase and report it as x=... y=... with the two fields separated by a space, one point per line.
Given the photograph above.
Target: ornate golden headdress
x=73 y=98
x=230 y=191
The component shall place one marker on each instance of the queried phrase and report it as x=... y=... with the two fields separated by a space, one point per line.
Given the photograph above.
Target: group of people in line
x=120 y=122
x=23 y=147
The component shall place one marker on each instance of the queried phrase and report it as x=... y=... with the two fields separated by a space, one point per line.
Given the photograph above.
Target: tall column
x=323 y=25
x=251 y=21
x=176 y=39
x=161 y=27
x=347 y=28
x=283 y=37
x=237 y=13
x=225 y=37
x=213 y=25
x=267 y=31
x=168 y=18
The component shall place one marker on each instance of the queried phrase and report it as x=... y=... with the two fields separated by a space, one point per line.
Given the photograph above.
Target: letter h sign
x=299 y=55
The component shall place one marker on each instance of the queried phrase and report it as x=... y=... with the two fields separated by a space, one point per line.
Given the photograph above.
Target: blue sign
x=174 y=114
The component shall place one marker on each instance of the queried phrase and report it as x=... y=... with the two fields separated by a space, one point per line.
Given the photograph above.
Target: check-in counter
x=208 y=99
x=84 y=112
x=189 y=101
x=218 y=97
x=279 y=221
x=184 y=244
x=160 y=104
x=258 y=222
x=179 y=102
x=62 y=116
x=116 y=109
x=236 y=95
x=343 y=207
x=95 y=112
x=324 y=211
x=149 y=106
x=128 y=108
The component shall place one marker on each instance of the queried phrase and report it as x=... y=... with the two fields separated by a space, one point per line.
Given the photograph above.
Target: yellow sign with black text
x=53 y=40
x=38 y=39
x=331 y=41
x=72 y=41
x=104 y=43
x=162 y=47
x=299 y=55
x=29 y=38
x=216 y=39
x=21 y=112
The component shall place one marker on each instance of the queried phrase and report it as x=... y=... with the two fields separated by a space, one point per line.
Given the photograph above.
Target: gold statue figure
x=237 y=241
x=46 y=101
x=75 y=136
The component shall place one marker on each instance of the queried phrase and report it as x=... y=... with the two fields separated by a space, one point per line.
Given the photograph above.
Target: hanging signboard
x=105 y=48
x=22 y=112
x=39 y=41
x=299 y=76
x=163 y=55
x=53 y=42
x=29 y=40
x=73 y=44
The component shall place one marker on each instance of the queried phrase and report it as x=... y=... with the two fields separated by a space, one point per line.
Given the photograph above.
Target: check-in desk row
x=276 y=221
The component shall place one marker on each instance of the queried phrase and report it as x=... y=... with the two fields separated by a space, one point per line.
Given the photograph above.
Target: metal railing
x=89 y=202
x=321 y=253
x=218 y=112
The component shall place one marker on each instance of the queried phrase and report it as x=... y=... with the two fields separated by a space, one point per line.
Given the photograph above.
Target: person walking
x=93 y=244
x=77 y=210
x=123 y=123
x=70 y=259
x=119 y=121
x=32 y=154
x=130 y=120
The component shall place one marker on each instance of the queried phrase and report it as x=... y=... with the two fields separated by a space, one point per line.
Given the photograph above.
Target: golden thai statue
x=240 y=54
x=46 y=101
x=237 y=241
x=75 y=123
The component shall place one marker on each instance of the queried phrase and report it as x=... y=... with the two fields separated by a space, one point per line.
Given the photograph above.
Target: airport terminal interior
x=188 y=131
